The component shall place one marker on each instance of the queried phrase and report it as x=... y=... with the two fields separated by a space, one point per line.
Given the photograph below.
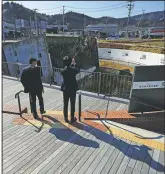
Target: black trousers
x=33 y=101
x=66 y=96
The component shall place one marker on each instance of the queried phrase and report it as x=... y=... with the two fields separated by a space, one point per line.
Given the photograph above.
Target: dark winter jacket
x=69 y=78
x=31 y=79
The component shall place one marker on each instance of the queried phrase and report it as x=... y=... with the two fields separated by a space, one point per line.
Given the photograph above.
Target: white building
x=57 y=27
x=8 y=28
x=157 y=31
x=109 y=29
x=32 y=26
x=131 y=29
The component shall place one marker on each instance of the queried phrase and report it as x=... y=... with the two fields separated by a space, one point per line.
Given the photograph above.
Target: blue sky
x=96 y=9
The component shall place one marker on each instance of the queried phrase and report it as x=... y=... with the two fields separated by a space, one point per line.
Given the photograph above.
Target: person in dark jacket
x=69 y=86
x=31 y=80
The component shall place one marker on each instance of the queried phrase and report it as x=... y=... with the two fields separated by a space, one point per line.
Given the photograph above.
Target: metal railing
x=109 y=84
x=19 y=103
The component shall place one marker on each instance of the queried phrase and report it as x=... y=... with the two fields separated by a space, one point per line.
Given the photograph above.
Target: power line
x=35 y=10
x=50 y=8
x=130 y=7
x=63 y=17
x=102 y=10
x=140 y=18
x=98 y=7
x=53 y=13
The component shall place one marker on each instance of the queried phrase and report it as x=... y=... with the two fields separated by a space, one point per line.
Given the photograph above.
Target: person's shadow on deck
x=63 y=133
x=140 y=153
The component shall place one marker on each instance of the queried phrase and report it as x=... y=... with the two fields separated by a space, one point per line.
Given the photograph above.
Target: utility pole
x=140 y=35
x=30 y=28
x=130 y=7
x=106 y=21
x=84 y=22
x=63 y=18
x=84 y=25
x=3 y=30
x=35 y=16
x=15 y=29
x=141 y=18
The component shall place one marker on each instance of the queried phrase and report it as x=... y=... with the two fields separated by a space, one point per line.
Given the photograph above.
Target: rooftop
x=89 y=146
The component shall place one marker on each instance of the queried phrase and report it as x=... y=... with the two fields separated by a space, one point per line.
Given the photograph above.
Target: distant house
x=56 y=28
x=10 y=30
x=108 y=29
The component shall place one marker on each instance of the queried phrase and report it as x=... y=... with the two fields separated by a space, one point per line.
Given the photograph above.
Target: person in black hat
x=69 y=86
x=31 y=80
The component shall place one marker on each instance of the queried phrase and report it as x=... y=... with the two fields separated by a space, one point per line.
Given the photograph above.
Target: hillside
x=13 y=11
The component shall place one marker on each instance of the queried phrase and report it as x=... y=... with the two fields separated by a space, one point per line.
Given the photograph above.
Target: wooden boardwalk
x=63 y=150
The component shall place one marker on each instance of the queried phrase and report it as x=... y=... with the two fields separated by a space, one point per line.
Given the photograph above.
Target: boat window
x=109 y=51
x=126 y=54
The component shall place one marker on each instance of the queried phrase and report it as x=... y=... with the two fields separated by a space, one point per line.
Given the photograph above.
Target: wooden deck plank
x=23 y=132
x=105 y=138
x=81 y=154
x=14 y=138
x=77 y=151
x=147 y=162
x=112 y=158
x=141 y=156
x=53 y=155
x=10 y=123
x=9 y=128
x=99 y=157
x=90 y=159
x=84 y=158
x=128 y=170
x=10 y=162
x=104 y=160
x=37 y=154
x=120 y=157
x=41 y=157
x=126 y=159
x=23 y=144
x=154 y=163
x=13 y=130
x=61 y=158
x=133 y=159
x=7 y=117
x=161 y=164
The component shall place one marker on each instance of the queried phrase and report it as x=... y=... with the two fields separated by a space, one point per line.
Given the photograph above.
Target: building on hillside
x=56 y=28
x=108 y=29
x=10 y=31
x=132 y=30
x=19 y=53
x=32 y=27
x=155 y=32
x=78 y=31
